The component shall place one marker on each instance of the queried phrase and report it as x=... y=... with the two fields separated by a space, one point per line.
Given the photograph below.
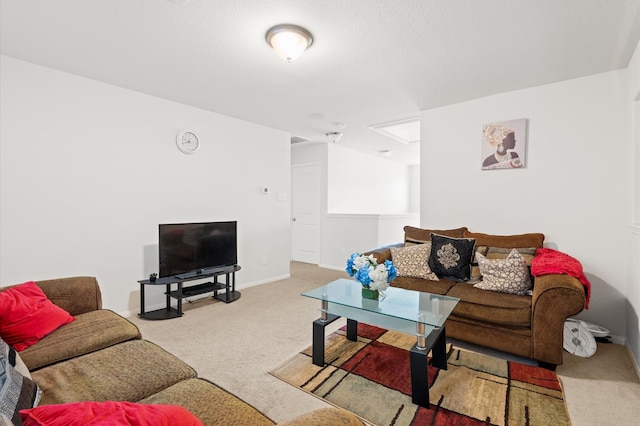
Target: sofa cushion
x=325 y=416
x=420 y=284
x=528 y=253
x=90 y=331
x=509 y=275
x=451 y=257
x=210 y=403
x=507 y=241
x=413 y=261
x=491 y=307
x=64 y=292
x=108 y=413
x=27 y=315
x=414 y=235
x=128 y=371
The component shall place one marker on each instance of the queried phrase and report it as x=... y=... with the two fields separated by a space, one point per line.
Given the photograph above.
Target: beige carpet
x=236 y=345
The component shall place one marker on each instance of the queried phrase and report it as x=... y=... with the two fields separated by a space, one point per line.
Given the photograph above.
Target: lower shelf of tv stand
x=160 y=314
x=226 y=296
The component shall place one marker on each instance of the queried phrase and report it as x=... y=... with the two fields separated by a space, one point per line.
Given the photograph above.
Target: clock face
x=187 y=142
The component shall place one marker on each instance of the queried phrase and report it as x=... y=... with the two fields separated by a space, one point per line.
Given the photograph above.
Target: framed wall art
x=504 y=145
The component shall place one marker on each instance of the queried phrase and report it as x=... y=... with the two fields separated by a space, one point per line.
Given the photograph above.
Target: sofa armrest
x=76 y=295
x=383 y=253
x=555 y=297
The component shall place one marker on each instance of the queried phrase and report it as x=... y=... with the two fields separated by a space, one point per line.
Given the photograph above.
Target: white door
x=305 y=213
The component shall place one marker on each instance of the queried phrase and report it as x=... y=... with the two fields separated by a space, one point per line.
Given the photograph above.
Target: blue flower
x=391 y=270
x=363 y=275
x=351 y=270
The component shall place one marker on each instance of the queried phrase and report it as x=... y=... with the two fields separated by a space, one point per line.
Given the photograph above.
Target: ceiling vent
x=298 y=139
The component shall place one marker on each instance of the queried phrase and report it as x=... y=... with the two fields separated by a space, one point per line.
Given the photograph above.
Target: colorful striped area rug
x=371 y=379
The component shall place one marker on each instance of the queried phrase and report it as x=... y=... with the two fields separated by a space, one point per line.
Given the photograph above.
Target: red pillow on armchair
x=27 y=315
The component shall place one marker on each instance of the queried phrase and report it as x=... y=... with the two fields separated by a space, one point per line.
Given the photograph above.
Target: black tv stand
x=202 y=273
x=222 y=291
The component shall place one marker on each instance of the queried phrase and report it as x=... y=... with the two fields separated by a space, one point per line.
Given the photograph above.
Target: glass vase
x=367 y=293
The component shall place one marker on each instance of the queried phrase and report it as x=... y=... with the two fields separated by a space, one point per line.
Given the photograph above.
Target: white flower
x=379 y=277
x=361 y=261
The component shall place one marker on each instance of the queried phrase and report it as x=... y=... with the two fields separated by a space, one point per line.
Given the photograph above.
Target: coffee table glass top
x=420 y=307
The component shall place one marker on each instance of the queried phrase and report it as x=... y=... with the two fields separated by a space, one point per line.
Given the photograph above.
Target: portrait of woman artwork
x=504 y=144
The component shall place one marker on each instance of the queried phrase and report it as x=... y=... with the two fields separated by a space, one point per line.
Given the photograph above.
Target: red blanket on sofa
x=549 y=261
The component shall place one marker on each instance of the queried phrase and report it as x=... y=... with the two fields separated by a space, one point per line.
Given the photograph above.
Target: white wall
x=359 y=183
x=351 y=233
x=633 y=289
x=574 y=189
x=414 y=190
x=364 y=192
x=89 y=170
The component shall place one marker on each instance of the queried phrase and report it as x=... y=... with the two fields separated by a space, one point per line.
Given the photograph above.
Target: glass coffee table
x=407 y=311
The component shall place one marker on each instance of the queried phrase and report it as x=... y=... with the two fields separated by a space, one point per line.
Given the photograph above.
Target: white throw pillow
x=510 y=275
x=413 y=261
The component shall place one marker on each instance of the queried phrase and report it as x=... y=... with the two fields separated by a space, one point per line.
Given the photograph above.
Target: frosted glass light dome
x=289 y=41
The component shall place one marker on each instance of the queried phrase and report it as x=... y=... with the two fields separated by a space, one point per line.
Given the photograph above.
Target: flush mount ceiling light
x=289 y=41
x=334 y=136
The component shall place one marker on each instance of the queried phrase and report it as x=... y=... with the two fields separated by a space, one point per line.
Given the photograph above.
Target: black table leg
x=419 y=377
x=318 y=343
x=436 y=342
x=352 y=330
x=317 y=349
x=438 y=348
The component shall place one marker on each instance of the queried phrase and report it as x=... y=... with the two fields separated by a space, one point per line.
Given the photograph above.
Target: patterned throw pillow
x=13 y=356
x=509 y=275
x=476 y=276
x=451 y=257
x=498 y=253
x=17 y=391
x=413 y=261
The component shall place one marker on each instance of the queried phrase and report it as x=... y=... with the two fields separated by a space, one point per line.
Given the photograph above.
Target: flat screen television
x=187 y=249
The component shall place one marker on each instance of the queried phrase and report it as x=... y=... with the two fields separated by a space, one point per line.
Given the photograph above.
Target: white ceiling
x=372 y=61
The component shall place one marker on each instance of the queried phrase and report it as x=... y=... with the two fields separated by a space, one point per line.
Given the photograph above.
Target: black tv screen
x=186 y=248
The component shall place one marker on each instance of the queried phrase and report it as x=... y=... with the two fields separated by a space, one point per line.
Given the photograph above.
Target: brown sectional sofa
x=101 y=356
x=529 y=326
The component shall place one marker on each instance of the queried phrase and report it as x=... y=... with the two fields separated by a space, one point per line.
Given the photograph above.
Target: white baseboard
x=334 y=268
x=633 y=361
x=619 y=340
x=266 y=281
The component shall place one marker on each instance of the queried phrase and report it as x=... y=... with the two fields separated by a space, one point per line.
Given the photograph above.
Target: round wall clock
x=187 y=142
